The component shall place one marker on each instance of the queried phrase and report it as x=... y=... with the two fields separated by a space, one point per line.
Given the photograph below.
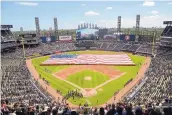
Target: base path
x=101 y=85
x=50 y=90
x=135 y=81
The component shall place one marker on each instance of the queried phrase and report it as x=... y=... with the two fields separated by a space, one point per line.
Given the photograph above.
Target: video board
x=125 y=37
x=87 y=34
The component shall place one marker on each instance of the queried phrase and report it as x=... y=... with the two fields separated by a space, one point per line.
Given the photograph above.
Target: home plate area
x=88 y=92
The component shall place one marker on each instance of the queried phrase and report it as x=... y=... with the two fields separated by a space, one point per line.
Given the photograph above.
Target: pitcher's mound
x=88 y=78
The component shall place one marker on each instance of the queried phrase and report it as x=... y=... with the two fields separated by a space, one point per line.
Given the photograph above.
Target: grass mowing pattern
x=97 y=78
x=107 y=90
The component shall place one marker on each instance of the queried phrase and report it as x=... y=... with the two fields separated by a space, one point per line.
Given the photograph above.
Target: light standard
x=153 y=42
x=23 y=48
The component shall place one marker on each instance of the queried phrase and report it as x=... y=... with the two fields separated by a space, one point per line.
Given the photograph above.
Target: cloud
x=154 y=12
x=152 y=17
x=170 y=3
x=83 y=4
x=154 y=21
x=27 y=3
x=148 y=3
x=91 y=13
x=109 y=8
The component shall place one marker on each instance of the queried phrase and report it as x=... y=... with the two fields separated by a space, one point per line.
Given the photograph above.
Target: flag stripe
x=90 y=59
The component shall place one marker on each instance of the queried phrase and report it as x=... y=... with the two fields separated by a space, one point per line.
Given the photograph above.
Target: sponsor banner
x=48 y=39
x=65 y=38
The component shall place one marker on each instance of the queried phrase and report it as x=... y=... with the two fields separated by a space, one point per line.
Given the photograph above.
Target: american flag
x=117 y=59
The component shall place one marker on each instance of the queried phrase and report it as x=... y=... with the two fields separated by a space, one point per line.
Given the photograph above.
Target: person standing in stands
x=101 y=111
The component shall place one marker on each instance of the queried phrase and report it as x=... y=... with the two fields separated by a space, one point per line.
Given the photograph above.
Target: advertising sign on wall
x=65 y=38
x=48 y=39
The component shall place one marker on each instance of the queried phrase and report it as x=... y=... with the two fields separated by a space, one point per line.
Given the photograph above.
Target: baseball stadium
x=87 y=71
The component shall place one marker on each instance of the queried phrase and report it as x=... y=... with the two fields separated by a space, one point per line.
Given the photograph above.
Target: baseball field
x=102 y=81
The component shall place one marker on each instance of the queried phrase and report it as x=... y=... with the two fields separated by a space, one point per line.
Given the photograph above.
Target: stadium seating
x=167 y=31
x=145 y=49
x=157 y=82
x=119 y=46
x=126 y=47
x=18 y=86
x=133 y=47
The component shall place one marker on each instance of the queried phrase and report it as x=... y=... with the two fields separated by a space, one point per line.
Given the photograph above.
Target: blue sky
x=70 y=14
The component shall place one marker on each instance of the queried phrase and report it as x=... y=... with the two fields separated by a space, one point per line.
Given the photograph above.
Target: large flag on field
x=118 y=59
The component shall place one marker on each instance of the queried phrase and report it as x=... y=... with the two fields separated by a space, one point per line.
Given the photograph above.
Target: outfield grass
x=97 y=78
x=107 y=90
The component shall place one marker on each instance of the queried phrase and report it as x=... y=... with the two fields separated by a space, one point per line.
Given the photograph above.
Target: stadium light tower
x=90 y=25
x=78 y=26
x=81 y=26
x=137 y=24
x=137 y=29
x=37 y=26
x=24 y=56
x=56 y=27
x=96 y=26
x=119 y=24
x=87 y=25
x=84 y=25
